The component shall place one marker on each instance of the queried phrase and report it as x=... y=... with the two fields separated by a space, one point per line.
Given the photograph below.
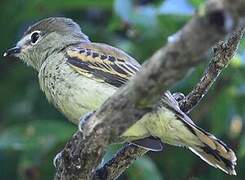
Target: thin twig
x=223 y=53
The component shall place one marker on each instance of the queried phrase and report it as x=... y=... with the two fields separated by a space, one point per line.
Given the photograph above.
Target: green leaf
x=9 y=164
x=36 y=135
x=196 y=3
x=242 y=147
x=172 y=23
x=222 y=111
x=144 y=169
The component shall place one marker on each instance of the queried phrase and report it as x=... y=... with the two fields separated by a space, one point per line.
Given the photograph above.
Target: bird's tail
x=214 y=152
x=206 y=146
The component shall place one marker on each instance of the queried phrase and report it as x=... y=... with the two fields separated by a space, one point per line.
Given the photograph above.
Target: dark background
x=32 y=131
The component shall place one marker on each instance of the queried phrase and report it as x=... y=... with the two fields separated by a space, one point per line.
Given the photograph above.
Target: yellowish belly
x=164 y=125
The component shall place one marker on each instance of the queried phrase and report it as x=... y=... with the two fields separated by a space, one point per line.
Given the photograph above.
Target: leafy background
x=32 y=131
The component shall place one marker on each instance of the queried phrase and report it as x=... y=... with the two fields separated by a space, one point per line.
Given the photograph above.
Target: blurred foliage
x=32 y=131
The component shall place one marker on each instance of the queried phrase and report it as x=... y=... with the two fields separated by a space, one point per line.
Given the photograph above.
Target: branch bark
x=119 y=163
x=222 y=54
x=85 y=149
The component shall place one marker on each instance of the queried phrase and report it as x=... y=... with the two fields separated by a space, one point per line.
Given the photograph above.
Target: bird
x=78 y=75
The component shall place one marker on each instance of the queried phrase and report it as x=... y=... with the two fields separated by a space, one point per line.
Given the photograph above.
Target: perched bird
x=77 y=76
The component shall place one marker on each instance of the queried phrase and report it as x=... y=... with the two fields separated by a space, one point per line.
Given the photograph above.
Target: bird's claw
x=178 y=96
x=56 y=159
x=84 y=119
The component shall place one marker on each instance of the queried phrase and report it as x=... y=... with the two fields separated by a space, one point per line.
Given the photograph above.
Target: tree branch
x=85 y=149
x=222 y=54
x=120 y=162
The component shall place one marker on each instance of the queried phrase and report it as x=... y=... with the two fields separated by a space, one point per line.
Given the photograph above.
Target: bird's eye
x=34 y=37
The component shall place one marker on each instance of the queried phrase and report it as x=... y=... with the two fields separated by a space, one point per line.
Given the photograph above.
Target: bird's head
x=46 y=37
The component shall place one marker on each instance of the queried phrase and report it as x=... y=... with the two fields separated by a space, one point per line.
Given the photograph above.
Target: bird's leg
x=178 y=96
x=83 y=120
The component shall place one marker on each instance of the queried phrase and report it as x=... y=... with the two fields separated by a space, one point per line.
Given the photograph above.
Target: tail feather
x=214 y=152
x=206 y=145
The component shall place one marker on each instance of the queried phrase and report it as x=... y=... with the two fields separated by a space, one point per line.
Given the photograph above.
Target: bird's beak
x=13 y=52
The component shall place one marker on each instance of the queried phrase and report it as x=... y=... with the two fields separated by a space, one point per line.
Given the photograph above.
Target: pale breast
x=71 y=93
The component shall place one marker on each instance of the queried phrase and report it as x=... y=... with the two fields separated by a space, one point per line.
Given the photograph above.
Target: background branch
x=85 y=149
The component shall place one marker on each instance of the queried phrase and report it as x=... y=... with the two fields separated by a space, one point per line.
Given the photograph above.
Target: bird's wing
x=109 y=65
x=102 y=62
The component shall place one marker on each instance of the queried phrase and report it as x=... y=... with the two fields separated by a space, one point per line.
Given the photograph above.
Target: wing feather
x=112 y=66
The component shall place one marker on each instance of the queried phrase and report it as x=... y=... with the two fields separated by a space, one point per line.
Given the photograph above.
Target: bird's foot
x=84 y=119
x=178 y=96
x=56 y=159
